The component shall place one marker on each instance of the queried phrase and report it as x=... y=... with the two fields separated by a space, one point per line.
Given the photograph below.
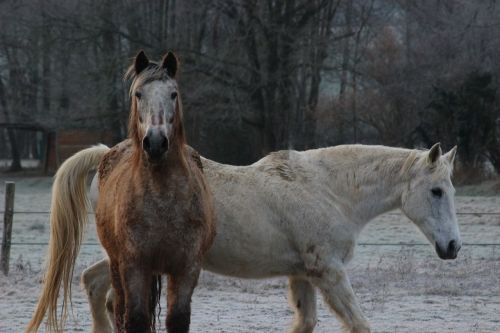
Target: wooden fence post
x=7 y=225
x=50 y=160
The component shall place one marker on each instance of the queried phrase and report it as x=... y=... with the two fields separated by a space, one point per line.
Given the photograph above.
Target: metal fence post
x=7 y=225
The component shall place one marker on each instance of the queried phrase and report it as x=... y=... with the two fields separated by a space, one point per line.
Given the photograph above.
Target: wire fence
x=400 y=244
x=393 y=214
x=359 y=244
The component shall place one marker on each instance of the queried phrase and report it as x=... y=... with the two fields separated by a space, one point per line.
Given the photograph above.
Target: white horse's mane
x=387 y=162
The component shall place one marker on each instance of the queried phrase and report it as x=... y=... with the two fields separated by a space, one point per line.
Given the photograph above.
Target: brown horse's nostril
x=146 y=144
x=155 y=145
x=164 y=144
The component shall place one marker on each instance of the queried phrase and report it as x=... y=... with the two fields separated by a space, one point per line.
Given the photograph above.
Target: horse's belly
x=242 y=268
x=240 y=255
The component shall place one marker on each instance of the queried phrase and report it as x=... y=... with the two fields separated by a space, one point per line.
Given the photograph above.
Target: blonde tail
x=67 y=221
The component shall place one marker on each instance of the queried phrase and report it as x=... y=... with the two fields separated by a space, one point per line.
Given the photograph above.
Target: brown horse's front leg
x=136 y=284
x=119 y=297
x=180 y=291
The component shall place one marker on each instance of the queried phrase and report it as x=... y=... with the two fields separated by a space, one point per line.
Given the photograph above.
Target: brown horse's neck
x=175 y=160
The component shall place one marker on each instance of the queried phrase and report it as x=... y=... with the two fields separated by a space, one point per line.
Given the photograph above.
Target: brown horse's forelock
x=152 y=73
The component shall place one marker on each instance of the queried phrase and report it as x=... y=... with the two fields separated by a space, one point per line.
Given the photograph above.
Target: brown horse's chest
x=165 y=227
x=161 y=218
x=162 y=213
x=172 y=233
x=161 y=223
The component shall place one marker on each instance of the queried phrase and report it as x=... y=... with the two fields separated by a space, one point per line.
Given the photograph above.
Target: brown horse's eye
x=140 y=119
x=173 y=95
x=138 y=95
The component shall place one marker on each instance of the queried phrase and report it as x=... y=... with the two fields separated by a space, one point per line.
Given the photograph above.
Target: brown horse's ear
x=141 y=62
x=170 y=63
x=435 y=153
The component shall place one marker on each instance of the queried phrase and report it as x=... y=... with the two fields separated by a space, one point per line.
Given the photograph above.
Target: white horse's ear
x=434 y=153
x=450 y=156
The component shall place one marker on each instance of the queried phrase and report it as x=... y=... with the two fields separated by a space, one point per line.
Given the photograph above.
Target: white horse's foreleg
x=338 y=293
x=96 y=281
x=302 y=298
x=110 y=307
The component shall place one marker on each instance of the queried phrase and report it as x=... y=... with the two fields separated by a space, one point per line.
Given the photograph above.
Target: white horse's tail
x=67 y=221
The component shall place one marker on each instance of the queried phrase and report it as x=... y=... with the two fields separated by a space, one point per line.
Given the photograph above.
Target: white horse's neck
x=366 y=181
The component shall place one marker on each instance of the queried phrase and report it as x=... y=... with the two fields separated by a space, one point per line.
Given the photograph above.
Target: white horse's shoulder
x=283 y=165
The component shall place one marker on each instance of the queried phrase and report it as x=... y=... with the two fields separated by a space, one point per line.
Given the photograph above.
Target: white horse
x=299 y=214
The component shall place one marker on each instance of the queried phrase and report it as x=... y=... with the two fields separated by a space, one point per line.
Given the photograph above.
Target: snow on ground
x=401 y=288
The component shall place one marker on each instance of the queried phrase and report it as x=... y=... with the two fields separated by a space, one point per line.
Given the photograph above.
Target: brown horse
x=154 y=214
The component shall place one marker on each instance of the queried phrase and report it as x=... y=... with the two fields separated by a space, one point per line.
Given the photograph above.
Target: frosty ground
x=400 y=288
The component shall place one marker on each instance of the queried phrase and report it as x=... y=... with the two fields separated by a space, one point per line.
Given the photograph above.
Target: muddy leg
x=338 y=293
x=180 y=290
x=302 y=298
x=97 y=281
x=136 y=284
x=119 y=300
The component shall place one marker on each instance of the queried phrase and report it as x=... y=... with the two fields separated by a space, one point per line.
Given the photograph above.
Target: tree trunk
x=16 y=157
x=346 y=52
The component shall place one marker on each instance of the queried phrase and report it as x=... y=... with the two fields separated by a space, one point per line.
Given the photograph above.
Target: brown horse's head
x=155 y=123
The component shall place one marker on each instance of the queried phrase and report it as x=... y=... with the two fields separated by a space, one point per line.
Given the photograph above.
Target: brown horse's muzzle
x=155 y=144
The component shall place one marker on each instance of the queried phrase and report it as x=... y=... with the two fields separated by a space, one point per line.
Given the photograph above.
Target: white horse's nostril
x=452 y=246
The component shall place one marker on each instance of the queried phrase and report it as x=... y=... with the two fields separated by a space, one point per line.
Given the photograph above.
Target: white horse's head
x=429 y=200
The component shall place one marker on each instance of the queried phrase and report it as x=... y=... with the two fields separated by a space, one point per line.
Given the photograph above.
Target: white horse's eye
x=437 y=192
x=138 y=95
x=173 y=95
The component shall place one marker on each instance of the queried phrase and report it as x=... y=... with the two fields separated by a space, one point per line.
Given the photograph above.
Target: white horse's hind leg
x=302 y=298
x=338 y=293
x=96 y=281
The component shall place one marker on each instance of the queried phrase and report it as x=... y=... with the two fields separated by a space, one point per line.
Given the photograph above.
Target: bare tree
x=257 y=75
